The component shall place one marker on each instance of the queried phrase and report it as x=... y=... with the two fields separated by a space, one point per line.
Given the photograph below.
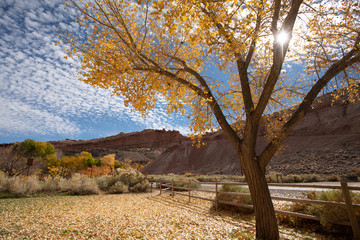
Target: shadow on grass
x=197 y=206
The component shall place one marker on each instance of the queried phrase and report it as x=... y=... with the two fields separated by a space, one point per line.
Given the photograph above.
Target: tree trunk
x=266 y=222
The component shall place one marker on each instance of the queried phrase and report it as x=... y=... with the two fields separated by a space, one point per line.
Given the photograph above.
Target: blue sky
x=40 y=96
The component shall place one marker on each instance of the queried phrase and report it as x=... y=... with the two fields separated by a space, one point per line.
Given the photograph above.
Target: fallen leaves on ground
x=124 y=216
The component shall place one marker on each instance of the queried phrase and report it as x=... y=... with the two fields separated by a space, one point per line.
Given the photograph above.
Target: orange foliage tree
x=145 y=49
x=108 y=161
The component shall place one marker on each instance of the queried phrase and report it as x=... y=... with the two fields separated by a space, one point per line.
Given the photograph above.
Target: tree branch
x=275 y=19
x=278 y=60
x=253 y=42
x=241 y=65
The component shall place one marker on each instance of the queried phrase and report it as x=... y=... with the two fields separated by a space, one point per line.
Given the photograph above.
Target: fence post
x=160 y=187
x=350 y=210
x=216 y=194
x=189 y=190
x=172 y=187
x=151 y=183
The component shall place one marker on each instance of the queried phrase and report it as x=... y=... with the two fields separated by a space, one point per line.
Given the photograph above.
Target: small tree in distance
x=11 y=163
x=145 y=49
x=31 y=149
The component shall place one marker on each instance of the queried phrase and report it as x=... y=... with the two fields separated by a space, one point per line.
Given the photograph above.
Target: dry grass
x=124 y=216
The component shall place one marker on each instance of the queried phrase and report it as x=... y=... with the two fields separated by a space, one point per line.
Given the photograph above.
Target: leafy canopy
x=146 y=50
x=30 y=148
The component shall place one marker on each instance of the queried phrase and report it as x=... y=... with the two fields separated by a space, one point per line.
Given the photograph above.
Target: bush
x=136 y=181
x=329 y=215
x=3 y=181
x=184 y=182
x=333 y=178
x=118 y=187
x=103 y=183
x=271 y=178
x=122 y=181
x=79 y=185
x=356 y=171
x=312 y=178
x=119 y=182
x=233 y=198
x=220 y=178
x=140 y=187
x=23 y=186
x=51 y=184
x=293 y=178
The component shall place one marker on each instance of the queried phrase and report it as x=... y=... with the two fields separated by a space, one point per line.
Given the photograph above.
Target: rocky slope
x=327 y=141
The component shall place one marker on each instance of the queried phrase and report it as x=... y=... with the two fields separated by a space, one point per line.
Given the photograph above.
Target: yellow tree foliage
x=109 y=161
x=68 y=164
x=147 y=49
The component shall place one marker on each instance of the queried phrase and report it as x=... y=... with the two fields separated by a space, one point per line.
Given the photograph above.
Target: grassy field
x=125 y=216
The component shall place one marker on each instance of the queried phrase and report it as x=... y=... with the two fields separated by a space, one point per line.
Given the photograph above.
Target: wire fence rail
x=169 y=186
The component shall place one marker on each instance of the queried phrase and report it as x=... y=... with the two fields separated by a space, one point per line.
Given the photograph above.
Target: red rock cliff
x=144 y=139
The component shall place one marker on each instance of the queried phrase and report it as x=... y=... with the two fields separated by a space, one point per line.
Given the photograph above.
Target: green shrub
x=136 y=181
x=233 y=198
x=131 y=178
x=292 y=178
x=271 y=178
x=207 y=178
x=118 y=187
x=139 y=187
x=184 y=182
x=329 y=215
x=122 y=181
x=356 y=171
x=333 y=178
x=312 y=178
x=220 y=178
x=103 y=182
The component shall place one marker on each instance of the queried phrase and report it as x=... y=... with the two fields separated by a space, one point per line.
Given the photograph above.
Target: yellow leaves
x=184 y=18
x=125 y=216
x=108 y=160
x=140 y=55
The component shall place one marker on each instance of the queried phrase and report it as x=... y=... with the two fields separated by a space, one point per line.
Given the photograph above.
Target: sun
x=282 y=37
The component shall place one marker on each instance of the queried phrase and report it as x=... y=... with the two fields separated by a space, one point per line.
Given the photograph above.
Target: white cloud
x=18 y=117
x=39 y=90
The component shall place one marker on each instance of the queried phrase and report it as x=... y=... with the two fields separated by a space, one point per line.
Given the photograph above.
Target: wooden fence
x=170 y=187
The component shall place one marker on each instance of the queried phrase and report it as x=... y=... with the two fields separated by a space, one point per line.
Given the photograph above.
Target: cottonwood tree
x=30 y=149
x=66 y=165
x=145 y=49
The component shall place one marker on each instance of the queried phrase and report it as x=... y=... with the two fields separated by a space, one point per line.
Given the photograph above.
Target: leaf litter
x=126 y=216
